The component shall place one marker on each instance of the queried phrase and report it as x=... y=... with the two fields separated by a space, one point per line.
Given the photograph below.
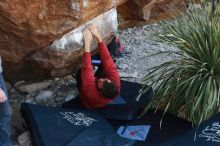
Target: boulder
x=27 y=27
x=43 y=38
x=141 y=12
x=64 y=55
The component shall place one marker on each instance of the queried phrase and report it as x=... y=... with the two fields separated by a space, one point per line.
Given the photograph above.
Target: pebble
x=69 y=97
x=44 y=95
x=139 y=44
x=29 y=88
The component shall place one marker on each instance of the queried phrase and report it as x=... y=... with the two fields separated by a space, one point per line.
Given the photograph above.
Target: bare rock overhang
x=63 y=55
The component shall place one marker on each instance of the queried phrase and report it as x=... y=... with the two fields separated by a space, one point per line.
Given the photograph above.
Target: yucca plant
x=192 y=80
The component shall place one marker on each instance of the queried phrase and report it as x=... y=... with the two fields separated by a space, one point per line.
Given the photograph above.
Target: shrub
x=191 y=81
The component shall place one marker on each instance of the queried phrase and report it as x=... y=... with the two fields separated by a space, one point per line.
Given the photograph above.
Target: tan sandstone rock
x=64 y=55
x=43 y=38
x=29 y=26
x=141 y=12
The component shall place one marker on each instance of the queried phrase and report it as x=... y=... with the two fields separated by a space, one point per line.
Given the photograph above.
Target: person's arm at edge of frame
x=3 y=97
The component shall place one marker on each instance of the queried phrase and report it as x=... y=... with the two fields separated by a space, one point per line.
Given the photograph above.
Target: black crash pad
x=128 y=111
x=171 y=126
x=207 y=134
x=54 y=126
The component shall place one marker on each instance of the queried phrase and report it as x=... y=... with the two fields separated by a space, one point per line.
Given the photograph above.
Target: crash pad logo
x=212 y=133
x=78 y=118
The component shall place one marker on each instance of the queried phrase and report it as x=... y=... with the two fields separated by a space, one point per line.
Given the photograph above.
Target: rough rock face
x=42 y=38
x=140 y=12
x=27 y=26
x=64 y=54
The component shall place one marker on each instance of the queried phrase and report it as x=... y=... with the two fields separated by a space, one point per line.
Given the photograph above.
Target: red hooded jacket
x=89 y=93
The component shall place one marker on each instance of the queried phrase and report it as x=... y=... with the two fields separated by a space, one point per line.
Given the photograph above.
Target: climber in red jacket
x=96 y=92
